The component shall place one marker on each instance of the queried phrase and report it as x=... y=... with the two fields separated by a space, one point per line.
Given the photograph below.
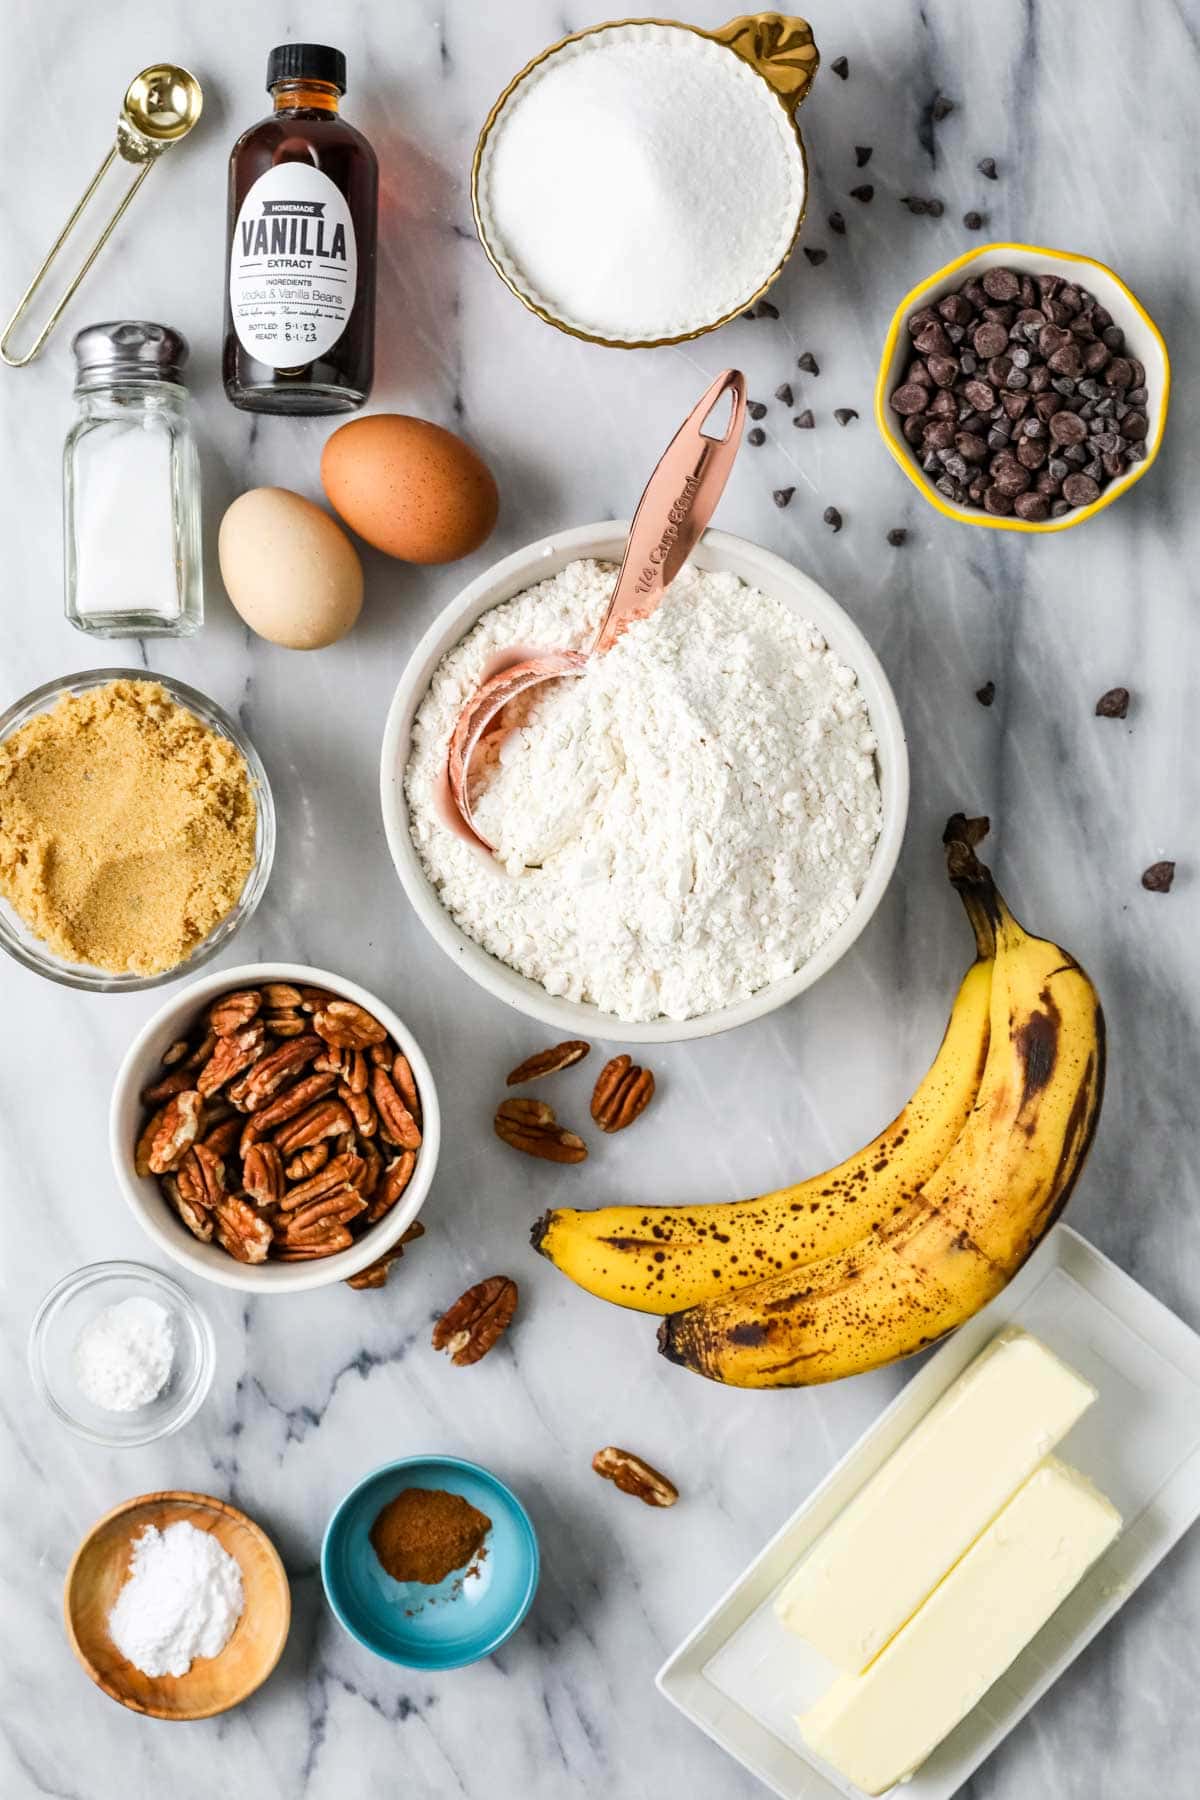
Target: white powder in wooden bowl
x=642 y=183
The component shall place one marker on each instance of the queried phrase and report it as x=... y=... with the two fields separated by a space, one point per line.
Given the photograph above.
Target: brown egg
x=410 y=488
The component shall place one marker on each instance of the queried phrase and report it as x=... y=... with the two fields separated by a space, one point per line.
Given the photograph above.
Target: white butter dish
x=743 y=1678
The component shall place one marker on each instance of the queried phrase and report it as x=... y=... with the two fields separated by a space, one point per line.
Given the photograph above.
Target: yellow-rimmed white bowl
x=1143 y=339
x=774 y=47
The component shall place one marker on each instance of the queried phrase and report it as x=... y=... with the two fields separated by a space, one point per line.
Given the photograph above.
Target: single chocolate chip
x=765 y=310
x=862 y=154
x=832 y=518
x=1032 y=507
x=841 y=67
x=756 y=437
x=1059 y=468
x=973 y=221
x=864 y=193
x=986 y=694
x=948 y=486
x=1113 y=463
x=805 y=421
x=997 y=438
x=808 y=363
x=1000 y=284
x=784 y=392
x=970 y=445
x=1031 y=454
x=1134 y=426
x=944 y=370
x=933 y=340
x=837 y=223
x=1114 y=704
x=1139 y=372
x=915 y=204
x=782 y=496
x=1114 y=338
x=1135 y=453
x=990 y=339
x=938 y=434
x=956 y=309
x=1158 y=877
x=941 y=109
x=996 y=501
x=815 y=257
x=1067 y=428
x=931 y=462
x=1076 y=455
x=748 y=315
x=981 y=395
x=1020 y=356
x=943 y=405
x=844 y=414
x=1017 y=379
x=1080 y=490
x=897 y=536
x=756 y=409
x=910 y=398
x=987 y=167
x=1137 y=396
x=913 y=427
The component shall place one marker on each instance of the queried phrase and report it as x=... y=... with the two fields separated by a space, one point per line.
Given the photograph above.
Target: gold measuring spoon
x=679 y=500
x=161 y=105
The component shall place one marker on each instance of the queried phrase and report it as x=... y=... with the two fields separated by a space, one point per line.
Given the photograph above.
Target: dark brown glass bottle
x=300 y=272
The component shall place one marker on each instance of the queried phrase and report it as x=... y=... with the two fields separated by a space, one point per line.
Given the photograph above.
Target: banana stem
x=972 y=880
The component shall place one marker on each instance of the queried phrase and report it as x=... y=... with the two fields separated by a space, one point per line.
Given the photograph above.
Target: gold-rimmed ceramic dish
x=1143 y=339
x=213 y=1684
x=779 y=50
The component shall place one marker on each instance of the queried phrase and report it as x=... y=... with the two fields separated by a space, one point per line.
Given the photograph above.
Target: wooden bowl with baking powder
x=212 y=1684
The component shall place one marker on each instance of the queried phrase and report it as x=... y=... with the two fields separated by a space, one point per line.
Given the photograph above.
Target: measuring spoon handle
x=679 y=500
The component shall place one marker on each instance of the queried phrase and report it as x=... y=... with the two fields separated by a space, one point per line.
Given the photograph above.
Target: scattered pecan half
x=633 y=1476
x=531 y=1126
x=547 y=1062
x=622 y=1093
x=265 y=1133
x=375 y=1274
x=476 y=1320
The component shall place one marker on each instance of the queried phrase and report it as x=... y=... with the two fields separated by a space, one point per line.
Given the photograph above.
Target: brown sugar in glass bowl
x=225 y=756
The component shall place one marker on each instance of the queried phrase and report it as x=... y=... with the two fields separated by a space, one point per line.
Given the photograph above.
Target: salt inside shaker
x=131 y=486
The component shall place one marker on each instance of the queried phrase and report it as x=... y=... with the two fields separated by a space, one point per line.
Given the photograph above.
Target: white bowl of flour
x=690 y=834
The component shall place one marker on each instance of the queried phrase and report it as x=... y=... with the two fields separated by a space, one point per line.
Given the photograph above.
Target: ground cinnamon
x=424 y=1534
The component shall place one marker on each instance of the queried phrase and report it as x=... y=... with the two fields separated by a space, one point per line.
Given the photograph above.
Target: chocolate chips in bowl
x=1022 y=387
x=275 y=1127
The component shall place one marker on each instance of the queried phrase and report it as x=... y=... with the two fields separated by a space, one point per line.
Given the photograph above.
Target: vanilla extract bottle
x=300 y=288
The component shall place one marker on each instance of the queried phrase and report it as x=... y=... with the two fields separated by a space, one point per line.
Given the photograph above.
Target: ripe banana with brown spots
x=974 y=1221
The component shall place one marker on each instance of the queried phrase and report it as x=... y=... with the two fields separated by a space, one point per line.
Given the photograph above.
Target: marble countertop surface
x=1085 y=113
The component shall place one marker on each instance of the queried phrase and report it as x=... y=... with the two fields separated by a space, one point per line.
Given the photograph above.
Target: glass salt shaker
x=131 y=486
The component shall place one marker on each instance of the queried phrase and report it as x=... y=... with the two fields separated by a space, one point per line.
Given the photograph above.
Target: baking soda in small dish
x=641 y=183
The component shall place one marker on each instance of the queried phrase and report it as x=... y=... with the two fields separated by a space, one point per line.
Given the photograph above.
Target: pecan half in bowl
x=296 y=1107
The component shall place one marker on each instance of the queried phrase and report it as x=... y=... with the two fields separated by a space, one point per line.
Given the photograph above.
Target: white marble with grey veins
x=1089 y=113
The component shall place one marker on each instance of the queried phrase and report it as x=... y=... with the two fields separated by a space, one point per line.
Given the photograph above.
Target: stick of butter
x=877 y=1728
x=887 y=1551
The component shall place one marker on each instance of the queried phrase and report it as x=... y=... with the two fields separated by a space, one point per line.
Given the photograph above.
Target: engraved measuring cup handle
x=679 y=500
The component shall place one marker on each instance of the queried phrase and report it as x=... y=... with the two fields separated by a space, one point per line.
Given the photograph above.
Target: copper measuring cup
x=679 y=500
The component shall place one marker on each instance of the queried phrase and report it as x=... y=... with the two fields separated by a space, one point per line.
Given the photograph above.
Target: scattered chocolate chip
x=784 y=392
x=862 y=155
x=748 y=315
x=916 y=204
x=841 y=67
x=804 y=420
x=756 y=409
x=941 y=108
x=986 y=694
x=765 y=310
x=935 y=209
x=837 y=224
x=815 y=257
x=987 y=167
x=897 y=536
x=864 y=193
x=782 y=496
x=973 y=221
x=1158 y=877
x=844 y=414
x=756 y=437
x=832 y=518
x=1114 y=704
x=808 y=363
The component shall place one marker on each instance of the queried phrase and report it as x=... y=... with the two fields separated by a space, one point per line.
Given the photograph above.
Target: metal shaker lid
x=128 y=350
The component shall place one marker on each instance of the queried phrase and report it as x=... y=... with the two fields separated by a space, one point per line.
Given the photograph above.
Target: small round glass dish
x=66 y=1312
x=15 y=935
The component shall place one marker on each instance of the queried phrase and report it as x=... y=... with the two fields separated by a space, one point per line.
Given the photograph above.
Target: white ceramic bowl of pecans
x=276 y=1128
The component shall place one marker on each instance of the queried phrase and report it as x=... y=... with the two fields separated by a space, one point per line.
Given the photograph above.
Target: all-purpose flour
x=703 y=801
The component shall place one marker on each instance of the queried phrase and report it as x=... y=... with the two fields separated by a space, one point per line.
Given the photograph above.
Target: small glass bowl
x=17 y=938
x=70 y=1306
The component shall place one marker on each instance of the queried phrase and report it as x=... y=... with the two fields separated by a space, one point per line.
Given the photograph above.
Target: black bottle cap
x=307 y=62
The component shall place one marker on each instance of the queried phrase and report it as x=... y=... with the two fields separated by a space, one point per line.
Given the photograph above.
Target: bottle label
x=293 y=265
